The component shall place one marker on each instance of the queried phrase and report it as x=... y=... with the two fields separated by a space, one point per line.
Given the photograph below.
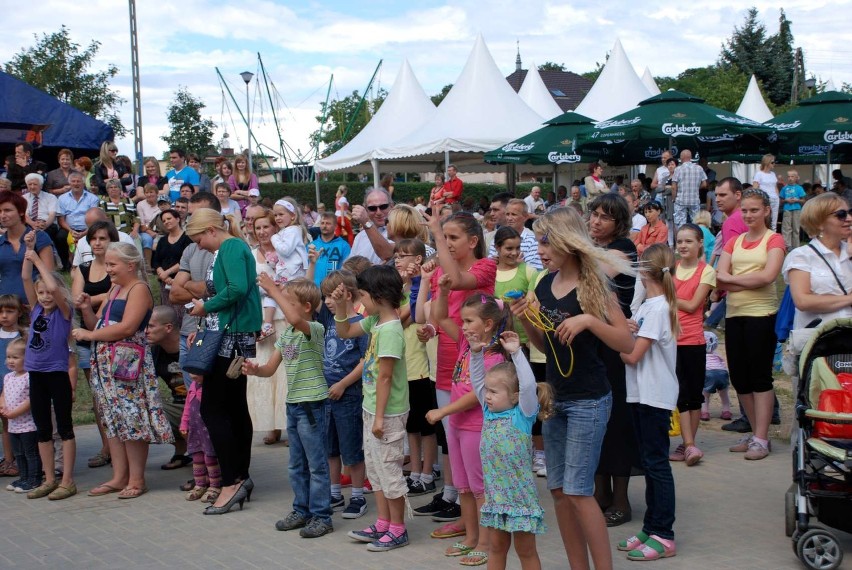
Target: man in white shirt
x=372 y=242
x=535 y=205
x=661 y=175
x=84 y=251
x=638 y=221
x=516 y=215
x=41 y=209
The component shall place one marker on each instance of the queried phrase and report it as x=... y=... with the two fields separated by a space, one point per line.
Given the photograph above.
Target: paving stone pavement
x=730 y=514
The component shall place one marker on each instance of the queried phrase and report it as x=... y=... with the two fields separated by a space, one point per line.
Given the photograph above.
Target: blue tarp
x=31 y=115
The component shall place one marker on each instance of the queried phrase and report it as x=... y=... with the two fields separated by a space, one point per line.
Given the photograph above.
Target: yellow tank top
x=760 y=302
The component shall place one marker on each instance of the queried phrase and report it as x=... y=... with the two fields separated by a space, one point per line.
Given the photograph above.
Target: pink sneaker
x=693 y=455
x=705 y=416
x=726 y=415
x=679 y=454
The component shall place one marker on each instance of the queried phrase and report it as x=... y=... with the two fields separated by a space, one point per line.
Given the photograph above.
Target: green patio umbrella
x=672 y=120
x=551 y=144
x=819 y=130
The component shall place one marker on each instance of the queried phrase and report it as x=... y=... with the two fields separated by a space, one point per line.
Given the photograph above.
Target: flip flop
x=109 y=489
x=449 y=530
x=132 y=492
x=461 y=549
x=474 y=558
x=176 y=462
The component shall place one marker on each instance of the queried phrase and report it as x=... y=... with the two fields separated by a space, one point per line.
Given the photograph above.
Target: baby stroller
x=822 y=474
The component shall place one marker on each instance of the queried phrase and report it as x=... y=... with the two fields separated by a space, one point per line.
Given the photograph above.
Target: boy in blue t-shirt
x=343 y=365
x=792 y=196
x=330 y=251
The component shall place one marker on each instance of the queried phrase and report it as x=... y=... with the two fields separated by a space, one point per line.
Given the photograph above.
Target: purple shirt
x=47 y=347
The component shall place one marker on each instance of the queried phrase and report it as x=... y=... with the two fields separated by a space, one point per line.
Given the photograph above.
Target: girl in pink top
x=484 y=318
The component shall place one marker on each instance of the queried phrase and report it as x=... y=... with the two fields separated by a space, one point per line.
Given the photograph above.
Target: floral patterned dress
x=511 y=496
x=131 y=411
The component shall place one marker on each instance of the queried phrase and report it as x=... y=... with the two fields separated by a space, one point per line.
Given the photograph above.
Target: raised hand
x=511 y=341
x=428 y=269
x=30 y=240
x=445 y=282
x=266 y=282
x=83 y=300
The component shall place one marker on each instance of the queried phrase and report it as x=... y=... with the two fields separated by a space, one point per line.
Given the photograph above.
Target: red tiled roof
x=574 y=87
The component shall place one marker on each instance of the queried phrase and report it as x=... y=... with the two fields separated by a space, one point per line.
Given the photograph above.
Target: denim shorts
x=716 y=380
x=84 y=357
x=345 y=425
x=147 y=240
x=572 y=444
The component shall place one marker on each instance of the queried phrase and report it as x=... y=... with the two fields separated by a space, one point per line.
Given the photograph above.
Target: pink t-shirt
x=16 y=390
x=733 y=226
x=485 y=271
x=470 y=419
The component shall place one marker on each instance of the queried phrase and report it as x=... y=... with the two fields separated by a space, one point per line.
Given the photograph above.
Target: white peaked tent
x=406 y=109
x=650 y=84
x=480 y=113
x=617 y=89
x=753 y=107
x=535 y=94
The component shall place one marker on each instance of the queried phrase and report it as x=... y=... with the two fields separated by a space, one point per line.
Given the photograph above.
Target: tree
x=719 y=86
x=436 y=99
x=551 y=66
x=595 y=73
x=187 y=129
x=341 y=121
x=57 y=66
x=770 y=58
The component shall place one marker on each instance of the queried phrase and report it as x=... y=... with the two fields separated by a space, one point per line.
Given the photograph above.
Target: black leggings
x=224 y=410
x=691 y=368
x=46 y=389
x=750 y=346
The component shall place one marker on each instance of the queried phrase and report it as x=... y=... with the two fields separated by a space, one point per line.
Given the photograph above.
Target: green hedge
x=305 y=192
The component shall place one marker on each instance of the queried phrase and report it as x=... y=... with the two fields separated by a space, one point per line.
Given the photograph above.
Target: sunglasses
x=381 y=207
x=113 y=150
x=841 y=214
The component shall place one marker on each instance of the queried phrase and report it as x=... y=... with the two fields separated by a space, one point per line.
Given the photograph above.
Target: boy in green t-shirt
x=385 y=407
x=300 y=346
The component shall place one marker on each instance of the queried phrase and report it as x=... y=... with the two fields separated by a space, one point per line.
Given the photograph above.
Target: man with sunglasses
x=372 y=241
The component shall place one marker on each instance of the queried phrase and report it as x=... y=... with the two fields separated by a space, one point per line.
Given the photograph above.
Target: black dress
x=620 y=451
x=92 y=288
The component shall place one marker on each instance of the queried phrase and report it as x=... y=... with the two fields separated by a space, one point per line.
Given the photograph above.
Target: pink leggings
x=465 y=461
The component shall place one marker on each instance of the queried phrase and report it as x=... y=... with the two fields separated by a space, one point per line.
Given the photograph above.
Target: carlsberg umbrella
x=672 y=120
x=818 y=130
x=552 y=144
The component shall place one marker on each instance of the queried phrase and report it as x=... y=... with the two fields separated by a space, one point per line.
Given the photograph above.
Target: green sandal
x=474 y=558
x=461 y=549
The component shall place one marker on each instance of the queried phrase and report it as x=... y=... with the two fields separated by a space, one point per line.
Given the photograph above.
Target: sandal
x=634 y=542
x=211 y=495
x=132 y=492
x=99 y=460
x=196 y=493
x=9 y=469
x=460 y=549
x=653 y=549
x=616 y=518
x=109 y=489
x=474 y=558
x=449 y=530
x=176 y=462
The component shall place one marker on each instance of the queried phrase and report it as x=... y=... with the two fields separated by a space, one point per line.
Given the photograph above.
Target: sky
x=303 y=43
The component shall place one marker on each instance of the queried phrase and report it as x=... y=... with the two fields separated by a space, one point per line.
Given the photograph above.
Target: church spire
x=518 y=58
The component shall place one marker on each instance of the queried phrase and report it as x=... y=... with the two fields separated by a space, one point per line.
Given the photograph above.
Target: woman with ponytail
x=232 y=301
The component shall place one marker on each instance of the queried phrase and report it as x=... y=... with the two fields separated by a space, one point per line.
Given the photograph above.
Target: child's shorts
x=466 y=461
x=345 y=427
x=716 y=380
x=421 y=398
x=384 y=456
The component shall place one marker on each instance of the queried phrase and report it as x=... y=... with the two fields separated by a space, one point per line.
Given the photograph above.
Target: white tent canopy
x=406 y=109
x=617 y=89
x=535 y=94
x=480 y=113
x=650 y=84
x=753 y=106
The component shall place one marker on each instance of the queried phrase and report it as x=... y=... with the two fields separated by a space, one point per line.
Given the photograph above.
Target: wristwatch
x=369 y=225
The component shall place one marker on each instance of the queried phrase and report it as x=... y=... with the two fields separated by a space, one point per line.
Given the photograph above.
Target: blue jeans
x=572 y=443
x=652 y=432
x=345 y=429
x=307 y=427
x=718 y=314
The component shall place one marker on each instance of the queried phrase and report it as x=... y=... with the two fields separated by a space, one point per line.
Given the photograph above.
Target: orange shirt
x=649 y=235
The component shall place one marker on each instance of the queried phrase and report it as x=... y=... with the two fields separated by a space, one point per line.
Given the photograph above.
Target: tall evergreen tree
x=187 y=129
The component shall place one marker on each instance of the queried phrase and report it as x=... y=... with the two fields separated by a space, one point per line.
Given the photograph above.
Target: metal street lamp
x=247 y=75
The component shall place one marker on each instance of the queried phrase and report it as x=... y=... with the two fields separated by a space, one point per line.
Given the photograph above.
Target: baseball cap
x=254 y=192
x=162 y=198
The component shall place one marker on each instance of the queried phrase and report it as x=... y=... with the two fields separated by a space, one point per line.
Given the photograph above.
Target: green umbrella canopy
x=819 y=125
x=551 y=144
x=673 y=120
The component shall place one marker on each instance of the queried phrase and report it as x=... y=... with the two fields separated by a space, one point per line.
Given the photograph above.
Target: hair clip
x=665 y=269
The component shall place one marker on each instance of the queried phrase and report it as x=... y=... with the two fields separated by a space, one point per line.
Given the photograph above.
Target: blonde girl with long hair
x=573 y=313
x=652 y=390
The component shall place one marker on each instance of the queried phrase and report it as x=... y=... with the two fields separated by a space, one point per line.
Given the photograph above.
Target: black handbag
x=201 y=354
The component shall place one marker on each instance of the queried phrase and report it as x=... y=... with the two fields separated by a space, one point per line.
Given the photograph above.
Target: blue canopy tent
x=30 y=115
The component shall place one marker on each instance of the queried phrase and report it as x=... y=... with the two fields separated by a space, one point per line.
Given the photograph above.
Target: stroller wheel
x=790 y=510
x=818 y=549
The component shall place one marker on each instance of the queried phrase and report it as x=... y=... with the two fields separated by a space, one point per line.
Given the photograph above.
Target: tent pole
x=375 y=163
x=555 y=175
x=446 y=162
x=317 y=186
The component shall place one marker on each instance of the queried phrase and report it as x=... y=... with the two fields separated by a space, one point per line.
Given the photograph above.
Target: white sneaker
x=538 y=463
x=542 y=472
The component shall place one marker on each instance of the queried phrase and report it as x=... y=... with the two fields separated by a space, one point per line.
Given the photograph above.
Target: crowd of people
x=478 y=348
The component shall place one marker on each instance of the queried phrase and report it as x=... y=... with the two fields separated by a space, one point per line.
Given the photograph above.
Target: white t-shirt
x=83 y=252
x=652 y=381
x=362 y=245
x=638 y=222
x=768 y=182
x=534 y=206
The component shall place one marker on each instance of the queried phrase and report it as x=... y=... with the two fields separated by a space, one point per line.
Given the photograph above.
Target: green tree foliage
x=436 y=99
x=595 y=73
x=344 y=118
x=187 y=129
x=719 y=86
x=57 y=66
x=769 y=57
x=551 y=66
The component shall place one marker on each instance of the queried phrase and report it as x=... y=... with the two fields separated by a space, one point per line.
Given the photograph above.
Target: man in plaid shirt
x=688 y=179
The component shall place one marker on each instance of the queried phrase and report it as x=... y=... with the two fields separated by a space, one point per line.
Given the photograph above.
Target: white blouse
x=822 y=280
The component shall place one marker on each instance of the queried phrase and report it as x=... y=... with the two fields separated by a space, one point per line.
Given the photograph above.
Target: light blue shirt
x=74 y=210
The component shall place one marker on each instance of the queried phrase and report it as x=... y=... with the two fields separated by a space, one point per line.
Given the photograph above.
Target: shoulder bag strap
x=109 y=305
x=822 y=257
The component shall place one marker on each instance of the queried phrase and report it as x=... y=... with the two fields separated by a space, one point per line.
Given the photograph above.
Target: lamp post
x=247 y=75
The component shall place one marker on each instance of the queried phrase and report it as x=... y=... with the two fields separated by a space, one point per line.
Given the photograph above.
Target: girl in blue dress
x=511 y=399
